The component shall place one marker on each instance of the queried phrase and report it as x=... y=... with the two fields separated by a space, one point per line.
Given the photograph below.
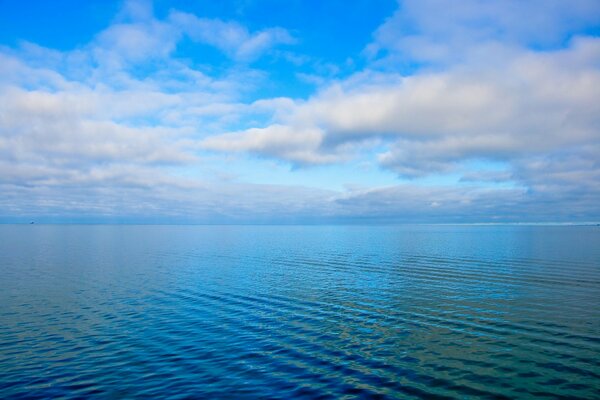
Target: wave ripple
x=299 y=312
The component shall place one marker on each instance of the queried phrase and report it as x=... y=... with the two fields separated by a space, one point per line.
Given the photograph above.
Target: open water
x=299 y=311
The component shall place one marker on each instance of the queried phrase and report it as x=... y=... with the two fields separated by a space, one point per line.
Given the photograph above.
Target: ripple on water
x=299 y=312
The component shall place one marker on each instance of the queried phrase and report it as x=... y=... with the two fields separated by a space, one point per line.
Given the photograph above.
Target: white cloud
x=531 y=104
x=299 y=145
x=536 y=111
x=88 y=132
x=439 y=32
x=230 y=37
x=78 y=116
x=135 y=42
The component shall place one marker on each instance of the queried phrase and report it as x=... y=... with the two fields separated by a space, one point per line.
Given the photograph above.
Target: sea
x=307 y=312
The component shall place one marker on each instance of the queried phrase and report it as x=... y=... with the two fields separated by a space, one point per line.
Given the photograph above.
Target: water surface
x=299 y=312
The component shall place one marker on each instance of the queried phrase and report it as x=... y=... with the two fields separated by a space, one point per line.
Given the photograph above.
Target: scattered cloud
x=231 y=38
x=122 y=126
x=533 y=103
x=419 y=32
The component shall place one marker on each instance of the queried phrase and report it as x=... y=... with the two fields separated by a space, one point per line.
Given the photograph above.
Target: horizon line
x=570 y=223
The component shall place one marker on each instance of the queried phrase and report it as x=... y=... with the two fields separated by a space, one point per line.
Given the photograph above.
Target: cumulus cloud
x=120 y=125
x=135 y=41
x=494 y=99
x=493 y=86
x=88 y=121
x=230 y=37
x=296 y=144
x=420 y=31
x=137 y=35
x=531 y=104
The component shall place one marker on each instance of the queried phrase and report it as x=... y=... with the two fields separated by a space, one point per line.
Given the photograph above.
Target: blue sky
x=265 y=111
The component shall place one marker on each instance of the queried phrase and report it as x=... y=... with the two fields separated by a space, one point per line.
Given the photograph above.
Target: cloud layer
x=504 y=116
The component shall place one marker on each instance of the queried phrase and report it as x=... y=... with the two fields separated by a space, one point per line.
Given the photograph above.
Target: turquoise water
x=299 y=312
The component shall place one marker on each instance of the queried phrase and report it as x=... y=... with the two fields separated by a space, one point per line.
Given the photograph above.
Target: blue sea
x=315 y=312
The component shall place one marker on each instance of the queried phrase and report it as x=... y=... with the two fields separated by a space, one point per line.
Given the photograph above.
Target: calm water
x=299 y=312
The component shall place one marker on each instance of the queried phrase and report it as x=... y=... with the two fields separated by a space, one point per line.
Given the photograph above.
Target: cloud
x=142 y=195
x=534 y=103
x=444 y=90
x=487 y=176
x=231 y=38
x=418 y=31
x=122 y=127
x=75 y=117
x=134 y=42
x=297 y=145
x=57 y=130
x=138 y=36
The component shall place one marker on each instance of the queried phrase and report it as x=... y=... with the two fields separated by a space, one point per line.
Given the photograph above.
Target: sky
x=300 y=112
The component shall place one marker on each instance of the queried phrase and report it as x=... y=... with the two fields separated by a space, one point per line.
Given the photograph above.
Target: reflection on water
x=314 y=312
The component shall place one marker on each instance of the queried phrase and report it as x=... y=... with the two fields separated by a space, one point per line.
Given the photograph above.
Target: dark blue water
x=299 y=312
